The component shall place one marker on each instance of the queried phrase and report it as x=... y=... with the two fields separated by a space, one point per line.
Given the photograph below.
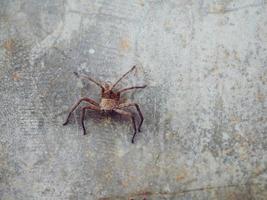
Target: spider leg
x=128 y=114
x=122 y=77
x=75 y=106
x=89 y=78
x=91 y=107
x=131 y=88
x=124 y=105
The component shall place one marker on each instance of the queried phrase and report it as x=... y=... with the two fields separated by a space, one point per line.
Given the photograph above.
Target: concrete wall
x=204 y=134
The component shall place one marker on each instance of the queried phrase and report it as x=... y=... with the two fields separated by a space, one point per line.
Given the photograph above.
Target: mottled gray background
x=204 y=134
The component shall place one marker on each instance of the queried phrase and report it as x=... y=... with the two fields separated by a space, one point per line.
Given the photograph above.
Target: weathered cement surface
x=204 y=134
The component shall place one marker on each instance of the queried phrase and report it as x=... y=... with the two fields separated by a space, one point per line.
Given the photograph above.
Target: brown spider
x=110 y=102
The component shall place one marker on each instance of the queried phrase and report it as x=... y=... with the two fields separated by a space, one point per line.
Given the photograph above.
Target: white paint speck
x=91 y=51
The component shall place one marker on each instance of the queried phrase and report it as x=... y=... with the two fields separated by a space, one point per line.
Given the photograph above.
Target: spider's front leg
x=132 y=88
x=75 y=106
x=128 y=114
x=91 y=107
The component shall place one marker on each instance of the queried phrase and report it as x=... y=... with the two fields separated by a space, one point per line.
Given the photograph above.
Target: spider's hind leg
x=76 y=105
x=128 y=114
x=83 y=114
x=125 y=105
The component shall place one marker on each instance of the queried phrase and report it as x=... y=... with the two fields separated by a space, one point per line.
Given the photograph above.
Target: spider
x=110 y=102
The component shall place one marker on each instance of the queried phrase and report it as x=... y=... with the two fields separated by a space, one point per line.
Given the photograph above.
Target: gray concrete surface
x=204 y=134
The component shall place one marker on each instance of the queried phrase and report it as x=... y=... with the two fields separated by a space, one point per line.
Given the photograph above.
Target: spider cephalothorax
x=110 y=102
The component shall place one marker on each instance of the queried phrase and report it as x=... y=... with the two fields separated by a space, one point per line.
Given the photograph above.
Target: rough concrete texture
x=204 y=134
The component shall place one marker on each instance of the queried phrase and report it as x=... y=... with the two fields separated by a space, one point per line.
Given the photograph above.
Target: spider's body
x=108 y=104
x=110 y=101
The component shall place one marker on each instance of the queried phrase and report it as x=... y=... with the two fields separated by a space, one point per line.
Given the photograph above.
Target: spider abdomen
x=108 y=104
